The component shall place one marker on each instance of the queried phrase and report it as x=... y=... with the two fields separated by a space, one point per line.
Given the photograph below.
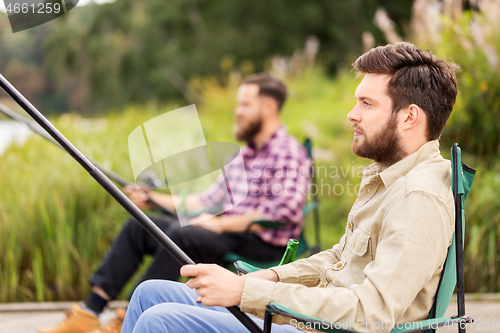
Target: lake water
x=11 y=131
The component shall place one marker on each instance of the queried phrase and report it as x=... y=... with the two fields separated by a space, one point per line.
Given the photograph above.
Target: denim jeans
x=159 y=306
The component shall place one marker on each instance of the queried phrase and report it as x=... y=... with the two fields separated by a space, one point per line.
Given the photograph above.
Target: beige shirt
x=386 y=267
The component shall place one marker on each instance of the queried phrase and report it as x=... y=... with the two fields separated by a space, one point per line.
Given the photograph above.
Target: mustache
x=357 y=128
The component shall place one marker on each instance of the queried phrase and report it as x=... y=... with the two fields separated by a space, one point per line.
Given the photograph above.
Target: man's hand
x=139 y=196
x=215 y=285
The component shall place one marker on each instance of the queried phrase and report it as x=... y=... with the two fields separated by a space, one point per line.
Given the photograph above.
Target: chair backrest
x=462 y=177
x=312 y=206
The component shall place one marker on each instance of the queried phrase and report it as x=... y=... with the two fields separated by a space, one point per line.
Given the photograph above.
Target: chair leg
x=268 y=321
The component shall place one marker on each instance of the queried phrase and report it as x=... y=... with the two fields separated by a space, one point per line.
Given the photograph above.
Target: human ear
x=411 y=116
x=270 y=105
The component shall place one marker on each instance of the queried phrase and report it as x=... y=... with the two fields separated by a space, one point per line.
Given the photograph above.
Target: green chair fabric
x=451 y=275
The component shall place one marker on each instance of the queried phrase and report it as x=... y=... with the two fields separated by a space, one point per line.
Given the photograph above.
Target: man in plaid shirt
x=277 y=172
x=277 y=177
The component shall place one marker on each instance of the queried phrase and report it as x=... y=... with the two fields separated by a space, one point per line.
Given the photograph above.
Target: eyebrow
x=361 y=98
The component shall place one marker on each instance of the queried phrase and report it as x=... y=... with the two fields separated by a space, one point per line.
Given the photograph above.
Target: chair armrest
x=245 y=268
x=310 y=207
x=434 y=323
x=308 y=321
x=326 y=326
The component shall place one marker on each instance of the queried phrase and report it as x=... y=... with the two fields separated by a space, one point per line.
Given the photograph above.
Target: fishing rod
x=112 y=189
x=35 y=127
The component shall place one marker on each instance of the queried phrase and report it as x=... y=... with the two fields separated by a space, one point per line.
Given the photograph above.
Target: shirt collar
x=401 y=168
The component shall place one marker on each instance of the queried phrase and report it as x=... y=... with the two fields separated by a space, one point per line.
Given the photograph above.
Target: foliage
x=471 y=39
x=475 y=116
x=482 y=233
x=102 y=56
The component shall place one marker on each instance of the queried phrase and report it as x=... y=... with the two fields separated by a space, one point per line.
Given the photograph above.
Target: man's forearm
x=170 y=202
x=164 y=200
x=239 y=223
x=266 y=274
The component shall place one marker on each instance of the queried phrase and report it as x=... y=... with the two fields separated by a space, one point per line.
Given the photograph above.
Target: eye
x=366 y=103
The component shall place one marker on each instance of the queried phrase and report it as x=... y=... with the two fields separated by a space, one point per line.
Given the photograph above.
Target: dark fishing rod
x=40 y=131
x=112 y=189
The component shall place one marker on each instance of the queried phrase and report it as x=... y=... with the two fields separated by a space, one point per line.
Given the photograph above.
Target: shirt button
x=322 y=285
x=354 y=245
x=349 y=226
x=339 y=265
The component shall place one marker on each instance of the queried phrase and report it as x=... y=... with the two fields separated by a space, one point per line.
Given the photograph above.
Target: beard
x=384 y=147
x=247 y=130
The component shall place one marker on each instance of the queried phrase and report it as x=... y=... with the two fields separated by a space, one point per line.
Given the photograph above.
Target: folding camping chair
x=312 y=206
x=451 y=275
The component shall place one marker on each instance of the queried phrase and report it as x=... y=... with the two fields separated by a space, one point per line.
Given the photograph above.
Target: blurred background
x=103 y=69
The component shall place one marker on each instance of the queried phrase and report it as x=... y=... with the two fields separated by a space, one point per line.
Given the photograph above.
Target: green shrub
x=482 y=231
x=472 y=39
x=474 y=121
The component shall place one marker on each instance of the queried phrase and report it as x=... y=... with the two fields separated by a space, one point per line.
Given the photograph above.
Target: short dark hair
x=418 y=77
x=269 y=86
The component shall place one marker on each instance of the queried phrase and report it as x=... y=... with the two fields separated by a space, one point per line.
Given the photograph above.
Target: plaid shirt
x=277 y=177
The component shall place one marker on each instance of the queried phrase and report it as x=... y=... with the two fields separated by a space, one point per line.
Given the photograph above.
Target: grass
x=56 y=222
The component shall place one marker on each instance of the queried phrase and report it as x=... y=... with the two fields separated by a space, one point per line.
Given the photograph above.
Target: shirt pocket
x=358 y=254
x=359 y=242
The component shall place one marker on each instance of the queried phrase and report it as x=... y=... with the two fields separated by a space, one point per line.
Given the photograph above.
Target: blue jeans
x=160 y=306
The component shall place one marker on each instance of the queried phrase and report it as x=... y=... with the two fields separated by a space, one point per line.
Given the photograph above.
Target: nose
x=237 y=111
x=353 y=115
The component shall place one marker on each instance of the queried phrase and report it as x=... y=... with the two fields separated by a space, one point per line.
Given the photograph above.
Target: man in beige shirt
x=386 y=267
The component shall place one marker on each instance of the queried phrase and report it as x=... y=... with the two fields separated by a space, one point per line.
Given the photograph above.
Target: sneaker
x=115 y=325
x=77 y=320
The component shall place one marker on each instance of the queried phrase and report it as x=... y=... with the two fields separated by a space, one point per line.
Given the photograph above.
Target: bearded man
x=277 y=171
x=386 y=268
